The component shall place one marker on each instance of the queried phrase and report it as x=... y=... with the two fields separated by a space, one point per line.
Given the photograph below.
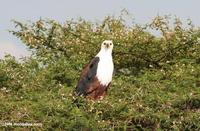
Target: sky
x=95 y=10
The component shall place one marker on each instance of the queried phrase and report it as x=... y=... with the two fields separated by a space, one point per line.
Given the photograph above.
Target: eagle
x=96 y=77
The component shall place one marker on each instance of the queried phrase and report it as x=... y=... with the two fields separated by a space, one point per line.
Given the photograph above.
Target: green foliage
x=156 y=85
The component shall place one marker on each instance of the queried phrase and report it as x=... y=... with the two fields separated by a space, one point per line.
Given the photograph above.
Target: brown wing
x=87 y=77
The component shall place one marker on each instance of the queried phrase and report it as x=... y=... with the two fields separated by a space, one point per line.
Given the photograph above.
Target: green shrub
x=155 y=85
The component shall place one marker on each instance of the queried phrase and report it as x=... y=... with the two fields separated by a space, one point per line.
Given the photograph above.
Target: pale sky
x=60 y=10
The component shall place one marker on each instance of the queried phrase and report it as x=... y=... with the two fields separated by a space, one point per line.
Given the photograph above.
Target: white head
x=105 y=65
x=107 y=45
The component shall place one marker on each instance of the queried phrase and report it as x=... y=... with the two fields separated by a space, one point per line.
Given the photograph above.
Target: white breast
x=105 y=69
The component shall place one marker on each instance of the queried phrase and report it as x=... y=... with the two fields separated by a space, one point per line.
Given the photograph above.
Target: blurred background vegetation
x=156 y=84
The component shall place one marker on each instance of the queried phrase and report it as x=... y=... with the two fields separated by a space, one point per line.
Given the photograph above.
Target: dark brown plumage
x=96 y=76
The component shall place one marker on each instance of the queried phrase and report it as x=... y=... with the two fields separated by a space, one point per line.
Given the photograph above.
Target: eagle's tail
x=76 y=99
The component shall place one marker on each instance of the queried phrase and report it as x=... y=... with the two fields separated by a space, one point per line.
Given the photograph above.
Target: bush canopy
x=156 y=83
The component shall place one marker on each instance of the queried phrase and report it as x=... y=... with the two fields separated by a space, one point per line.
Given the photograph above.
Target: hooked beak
x=107 y=45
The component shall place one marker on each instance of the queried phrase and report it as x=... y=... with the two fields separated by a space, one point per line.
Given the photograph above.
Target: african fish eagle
x=96 y=76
